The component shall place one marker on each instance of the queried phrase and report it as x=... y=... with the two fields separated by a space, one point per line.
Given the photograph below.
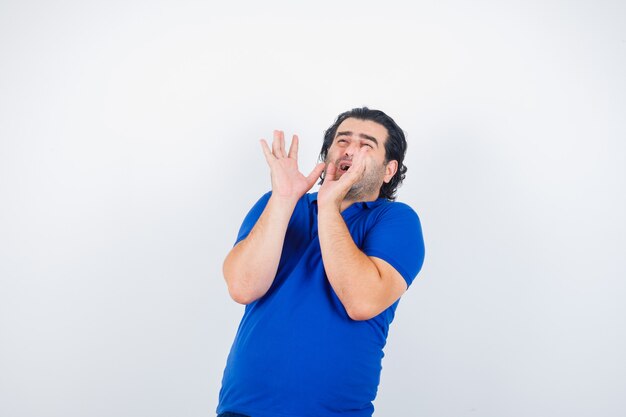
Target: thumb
x=315 y=174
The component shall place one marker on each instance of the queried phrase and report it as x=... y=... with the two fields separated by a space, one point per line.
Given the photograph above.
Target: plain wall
x=129 y=155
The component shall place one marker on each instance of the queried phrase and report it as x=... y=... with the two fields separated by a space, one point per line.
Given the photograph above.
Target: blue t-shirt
x=297 y=353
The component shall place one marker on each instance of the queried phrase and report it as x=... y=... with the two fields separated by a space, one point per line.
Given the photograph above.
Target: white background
x=129 y=155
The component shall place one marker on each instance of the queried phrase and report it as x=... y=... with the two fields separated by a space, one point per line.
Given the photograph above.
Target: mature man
x=321 y=275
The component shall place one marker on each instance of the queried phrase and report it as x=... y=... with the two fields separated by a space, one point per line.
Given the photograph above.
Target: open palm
x=287 y=180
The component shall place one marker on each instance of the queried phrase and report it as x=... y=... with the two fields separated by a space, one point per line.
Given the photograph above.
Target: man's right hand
x=250 y=267
x=287 y=180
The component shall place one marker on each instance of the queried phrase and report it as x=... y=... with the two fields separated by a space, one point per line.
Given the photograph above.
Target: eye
x=368 y=145
x=342 y=141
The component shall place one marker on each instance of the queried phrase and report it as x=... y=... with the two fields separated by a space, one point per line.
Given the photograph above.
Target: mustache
x=337 y=161
x=343 y=158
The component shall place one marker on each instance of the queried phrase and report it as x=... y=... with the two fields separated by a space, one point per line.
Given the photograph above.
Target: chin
x=355 y=194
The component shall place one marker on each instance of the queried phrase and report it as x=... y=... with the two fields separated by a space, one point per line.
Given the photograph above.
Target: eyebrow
x=362 y=135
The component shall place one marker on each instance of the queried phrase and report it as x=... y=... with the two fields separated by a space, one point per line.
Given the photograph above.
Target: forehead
x=368 y=127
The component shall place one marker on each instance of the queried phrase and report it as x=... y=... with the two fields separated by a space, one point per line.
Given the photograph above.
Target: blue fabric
x=297 y=353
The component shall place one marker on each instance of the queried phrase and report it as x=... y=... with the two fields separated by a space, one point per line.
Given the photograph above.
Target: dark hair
x=395 y=145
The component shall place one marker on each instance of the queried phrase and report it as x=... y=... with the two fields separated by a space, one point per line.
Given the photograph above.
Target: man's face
x=352 y=135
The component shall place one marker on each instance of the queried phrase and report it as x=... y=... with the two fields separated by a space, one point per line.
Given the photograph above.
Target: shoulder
x=395 y=236
x=394 y=220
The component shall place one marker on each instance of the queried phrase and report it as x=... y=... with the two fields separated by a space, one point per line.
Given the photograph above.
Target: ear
x=390 y=170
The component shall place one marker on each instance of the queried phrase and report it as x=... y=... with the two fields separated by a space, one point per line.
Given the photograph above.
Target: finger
x=358 y=162
x=315 y=174
x=281 y=148
x=330 y=172
x=266 y=151
x=276 y=144
x=355 y=172
x=293 y=149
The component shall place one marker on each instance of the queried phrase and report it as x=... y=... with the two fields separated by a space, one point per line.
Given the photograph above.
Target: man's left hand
x=333 y=191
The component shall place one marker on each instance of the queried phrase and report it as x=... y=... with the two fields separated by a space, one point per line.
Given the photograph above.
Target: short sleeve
x=251 y=218
x=396 y=237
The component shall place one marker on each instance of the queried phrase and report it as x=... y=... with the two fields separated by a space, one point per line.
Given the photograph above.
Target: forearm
x=352 y=274
x=250 y=267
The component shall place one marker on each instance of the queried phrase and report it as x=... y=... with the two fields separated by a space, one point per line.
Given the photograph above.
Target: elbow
x=240 y=297
x=244 y=287
x=361 y=313
x=241 y=294
x=239 y=291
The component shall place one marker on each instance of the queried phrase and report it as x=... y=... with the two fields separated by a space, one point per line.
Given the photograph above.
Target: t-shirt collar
x=362 y=204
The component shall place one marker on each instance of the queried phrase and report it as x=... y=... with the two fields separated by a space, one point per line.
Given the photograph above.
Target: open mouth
x=344 y=165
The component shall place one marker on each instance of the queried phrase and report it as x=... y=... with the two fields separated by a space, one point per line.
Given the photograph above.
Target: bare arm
x=250 y=267
x=365 y=285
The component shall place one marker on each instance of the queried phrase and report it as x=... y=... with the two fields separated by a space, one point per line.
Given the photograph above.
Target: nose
x=352 y=148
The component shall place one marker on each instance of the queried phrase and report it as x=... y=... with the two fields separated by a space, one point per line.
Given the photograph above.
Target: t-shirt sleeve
x=396 y=237
x=251 y=218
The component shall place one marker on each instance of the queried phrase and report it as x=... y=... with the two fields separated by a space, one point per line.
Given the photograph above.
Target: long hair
x=395 y=145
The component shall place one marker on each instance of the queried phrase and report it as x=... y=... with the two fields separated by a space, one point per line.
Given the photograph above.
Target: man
x=321 y=275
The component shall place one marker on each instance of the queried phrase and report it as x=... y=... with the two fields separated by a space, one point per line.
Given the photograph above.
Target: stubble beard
x=367 y=186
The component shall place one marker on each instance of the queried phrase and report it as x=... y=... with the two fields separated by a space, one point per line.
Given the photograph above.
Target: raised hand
x=287 y=180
